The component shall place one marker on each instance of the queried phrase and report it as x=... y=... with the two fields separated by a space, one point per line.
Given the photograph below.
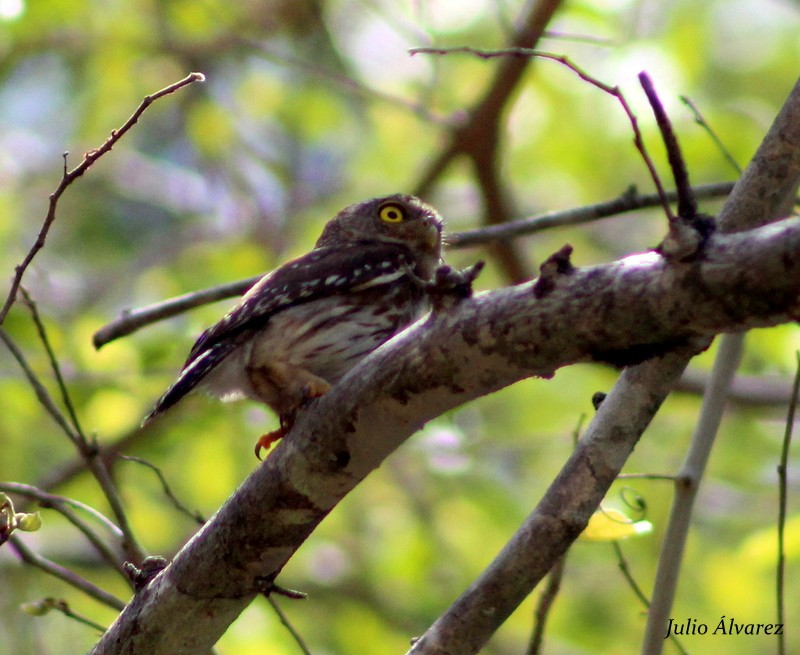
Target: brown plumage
x=300 y=328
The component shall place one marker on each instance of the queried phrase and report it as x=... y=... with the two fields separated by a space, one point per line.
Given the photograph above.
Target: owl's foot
x=265 y=441
x=314 y=387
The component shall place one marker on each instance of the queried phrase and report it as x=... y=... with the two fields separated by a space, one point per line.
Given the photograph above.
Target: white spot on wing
x=381 y=279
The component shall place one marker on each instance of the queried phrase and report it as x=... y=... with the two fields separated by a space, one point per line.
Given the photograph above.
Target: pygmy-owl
x=300 y=328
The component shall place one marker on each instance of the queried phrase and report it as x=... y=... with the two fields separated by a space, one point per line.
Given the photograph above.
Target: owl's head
x=398 y=218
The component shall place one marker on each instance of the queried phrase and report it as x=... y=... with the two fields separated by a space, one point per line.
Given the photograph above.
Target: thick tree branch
x=687 y=484
x=561 y=514
x=688 y=479
x=622 y=311
x=131 y=320
x=619 y=311
x=769 y=179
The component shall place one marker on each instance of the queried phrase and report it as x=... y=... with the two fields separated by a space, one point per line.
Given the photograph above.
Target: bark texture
x=624 y=312
x=638 y=307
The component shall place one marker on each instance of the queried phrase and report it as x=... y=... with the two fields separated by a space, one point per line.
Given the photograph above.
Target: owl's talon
x=265 y=441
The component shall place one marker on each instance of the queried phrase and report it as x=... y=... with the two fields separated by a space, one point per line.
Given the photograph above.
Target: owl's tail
x=192 y=374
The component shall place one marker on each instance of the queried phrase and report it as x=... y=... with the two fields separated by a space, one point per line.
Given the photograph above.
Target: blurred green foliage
x=309 y=106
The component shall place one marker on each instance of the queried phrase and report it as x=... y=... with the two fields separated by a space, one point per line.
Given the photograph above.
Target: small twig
x=88 y=450
x=702 y=122
x=85 y=446
x=301 y=644
x=545 y=604
x=195 y=516
x=130 y=544
x=44 y=605
x=42 y=393
x=64 y=506
x=132 y=320
x=62 y=573
x=687 y=207
x=622 y=564
x=688 y=232
x=565 y=61
x=108 y=452
x=68 y=177
x=54 y=365
x=782 y=495
x=646 y=476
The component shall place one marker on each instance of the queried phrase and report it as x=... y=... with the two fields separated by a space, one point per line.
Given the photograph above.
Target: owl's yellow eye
x=392 y=213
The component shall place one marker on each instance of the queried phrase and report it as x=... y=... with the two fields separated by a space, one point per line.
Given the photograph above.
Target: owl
x=300 y=328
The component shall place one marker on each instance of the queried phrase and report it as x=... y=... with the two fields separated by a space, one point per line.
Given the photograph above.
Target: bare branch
x=87 y=450
x=687 y=206
x=687 y=482
x=132 y=320
x=62 y=573
x=298 y=638
x=526 y=52
x=45 y=605
x=746 y=390
x=478 y=138
x=562 y=513
x=54 y=365
x=68 y=177
x=42 y=394
x=84 y=446
x=624 y=415
x=195 y=516
x=702 y=122
x=487 y=342
x=783 y=467
x=629 y=201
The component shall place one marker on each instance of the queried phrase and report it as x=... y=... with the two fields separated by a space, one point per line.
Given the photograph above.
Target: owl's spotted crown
x=398 y=218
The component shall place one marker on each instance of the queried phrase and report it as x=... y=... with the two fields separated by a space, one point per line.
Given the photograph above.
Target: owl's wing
x=320 y=273
x=317 y=274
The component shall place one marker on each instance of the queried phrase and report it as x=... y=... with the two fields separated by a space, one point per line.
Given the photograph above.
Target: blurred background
x=309 y=106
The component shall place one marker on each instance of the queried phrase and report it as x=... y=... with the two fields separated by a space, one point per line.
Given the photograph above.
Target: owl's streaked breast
x=327 y=337
x=301 y=327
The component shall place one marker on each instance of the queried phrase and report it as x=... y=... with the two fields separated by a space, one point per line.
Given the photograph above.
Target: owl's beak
x=433 y=235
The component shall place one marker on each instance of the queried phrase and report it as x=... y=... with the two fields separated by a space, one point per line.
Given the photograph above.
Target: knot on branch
x=150 y=568
x=450 y=285
x=687 y=237
x=266 y=585
x=554 y=266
